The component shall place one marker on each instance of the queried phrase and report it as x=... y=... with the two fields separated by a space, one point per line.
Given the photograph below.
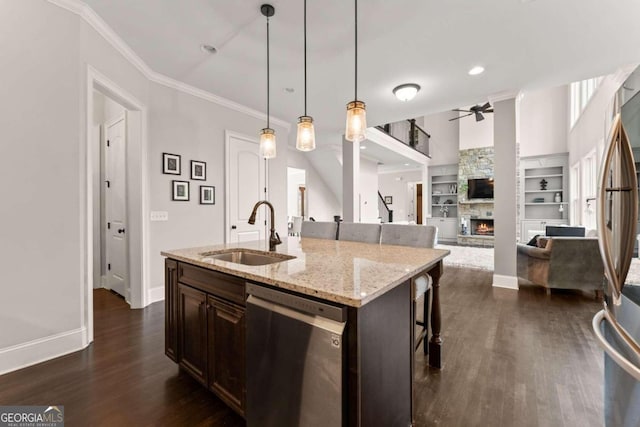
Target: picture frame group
x=180 y=190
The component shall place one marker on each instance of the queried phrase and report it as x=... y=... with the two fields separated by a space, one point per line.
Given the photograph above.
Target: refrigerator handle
x=623 y=362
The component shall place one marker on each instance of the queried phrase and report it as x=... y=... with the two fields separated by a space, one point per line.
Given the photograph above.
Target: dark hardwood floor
x=510 y=359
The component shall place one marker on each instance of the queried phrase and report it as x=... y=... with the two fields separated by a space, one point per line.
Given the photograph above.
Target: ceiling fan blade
x=462 y=111
x=485 y=106
x=479 y=116
x=458 y=118
x=490 y=110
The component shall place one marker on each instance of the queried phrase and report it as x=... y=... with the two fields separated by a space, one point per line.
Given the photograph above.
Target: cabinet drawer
x=222 y=285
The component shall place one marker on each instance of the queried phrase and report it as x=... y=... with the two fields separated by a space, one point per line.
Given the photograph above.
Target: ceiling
x=523 y=44
x=388 y=160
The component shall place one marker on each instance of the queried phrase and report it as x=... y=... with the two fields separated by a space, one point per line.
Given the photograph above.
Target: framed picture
x=171 y=164
x=198 y=170
x=388 y=200
x=207 y=195
x=180 y=191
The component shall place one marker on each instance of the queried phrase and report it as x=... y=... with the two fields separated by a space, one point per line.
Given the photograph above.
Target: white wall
x=43 y=67
x=368 y=190
x=195 y=128
x=322 y=203
x=395 y=185
x=476 y=134
x=444 y=144
x=543 y=121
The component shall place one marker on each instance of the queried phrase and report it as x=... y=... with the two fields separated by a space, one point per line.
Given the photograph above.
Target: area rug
x=468 y=256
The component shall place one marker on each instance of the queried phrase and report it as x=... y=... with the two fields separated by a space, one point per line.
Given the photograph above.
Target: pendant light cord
x=305 y=57
x=268 y=72
x=356 y=55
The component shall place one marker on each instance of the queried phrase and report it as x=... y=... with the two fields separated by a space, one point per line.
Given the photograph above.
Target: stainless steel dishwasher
x=295 y=360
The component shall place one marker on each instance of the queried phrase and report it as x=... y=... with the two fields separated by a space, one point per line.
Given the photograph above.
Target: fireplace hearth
x=481 y=227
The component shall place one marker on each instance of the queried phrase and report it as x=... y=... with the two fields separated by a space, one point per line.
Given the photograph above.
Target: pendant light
x=306 y=138
x=267 y=135
x=356 y=113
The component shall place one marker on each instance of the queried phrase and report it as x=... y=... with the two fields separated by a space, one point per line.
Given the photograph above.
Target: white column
x=350 y=181
x=426 y=196
x=504 y=137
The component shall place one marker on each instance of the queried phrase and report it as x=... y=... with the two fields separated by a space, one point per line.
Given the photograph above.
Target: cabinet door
x=227 y=351
x=192 y=331
x=170 y=309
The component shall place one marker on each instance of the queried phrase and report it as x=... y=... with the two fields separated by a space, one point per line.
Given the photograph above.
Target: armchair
x=564 y=263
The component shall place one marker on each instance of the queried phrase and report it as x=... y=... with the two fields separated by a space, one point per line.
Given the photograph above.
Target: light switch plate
x=159 y=216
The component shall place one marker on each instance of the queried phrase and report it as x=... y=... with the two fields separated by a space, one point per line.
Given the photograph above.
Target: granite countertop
x=349 y=273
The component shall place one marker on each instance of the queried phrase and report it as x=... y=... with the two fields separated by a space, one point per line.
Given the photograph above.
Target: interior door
x=246 y=174
x=116 y=207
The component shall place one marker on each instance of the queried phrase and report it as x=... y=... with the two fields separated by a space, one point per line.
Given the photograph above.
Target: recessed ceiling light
x=208 y=48
x=476 y=70
x=406 y=92
x=289 y=89
x=406 y=164
x=362 y=147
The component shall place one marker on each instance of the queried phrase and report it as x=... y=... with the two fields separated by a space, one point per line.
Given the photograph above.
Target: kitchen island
x=206 y=303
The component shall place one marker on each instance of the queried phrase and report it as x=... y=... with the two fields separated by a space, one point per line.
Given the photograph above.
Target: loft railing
x=409 y=133
x=386 y=214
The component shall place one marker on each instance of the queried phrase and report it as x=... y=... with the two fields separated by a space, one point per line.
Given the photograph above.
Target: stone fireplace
x=481 y=227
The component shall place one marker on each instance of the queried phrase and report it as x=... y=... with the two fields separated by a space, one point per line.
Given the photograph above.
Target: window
x=580 y=93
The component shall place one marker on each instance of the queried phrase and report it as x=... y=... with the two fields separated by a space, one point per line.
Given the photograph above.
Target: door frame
x=138 y=239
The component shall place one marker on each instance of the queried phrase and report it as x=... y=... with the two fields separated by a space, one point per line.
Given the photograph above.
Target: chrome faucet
x=274 y=238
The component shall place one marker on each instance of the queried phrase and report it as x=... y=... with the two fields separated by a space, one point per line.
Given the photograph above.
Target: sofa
x=562 y=263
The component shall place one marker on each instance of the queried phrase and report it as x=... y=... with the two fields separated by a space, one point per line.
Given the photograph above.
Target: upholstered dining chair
x=319 y=229
x=417 y=236
x=359 y=232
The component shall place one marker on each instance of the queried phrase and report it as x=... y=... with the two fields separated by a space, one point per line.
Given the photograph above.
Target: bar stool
x=359 y=232
x=319 y=229
x=417 y=236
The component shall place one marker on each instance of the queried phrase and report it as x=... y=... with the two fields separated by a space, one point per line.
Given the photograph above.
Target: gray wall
x=43 y=67
x=543 y=121
x=395 y=185
x=445 y=137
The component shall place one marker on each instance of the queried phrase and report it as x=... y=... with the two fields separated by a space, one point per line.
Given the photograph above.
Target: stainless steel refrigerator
x=617 y=325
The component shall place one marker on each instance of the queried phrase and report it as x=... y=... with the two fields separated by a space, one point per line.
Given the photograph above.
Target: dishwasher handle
x=298 y=303
x=316 y=321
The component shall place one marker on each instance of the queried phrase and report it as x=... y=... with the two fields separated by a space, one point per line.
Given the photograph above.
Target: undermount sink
x=248 y=257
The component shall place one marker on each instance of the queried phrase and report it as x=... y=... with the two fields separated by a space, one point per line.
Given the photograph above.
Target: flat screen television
x=480 y=188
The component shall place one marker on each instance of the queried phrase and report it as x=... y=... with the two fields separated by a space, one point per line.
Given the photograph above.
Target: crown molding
x=503 y=96
x=83 y=10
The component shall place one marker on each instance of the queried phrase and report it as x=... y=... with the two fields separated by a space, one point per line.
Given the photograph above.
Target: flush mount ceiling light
x=267 y=135
x=207 y=48
x=356 y=110
x=306 y=138
x=478 y=69
x=406 y=92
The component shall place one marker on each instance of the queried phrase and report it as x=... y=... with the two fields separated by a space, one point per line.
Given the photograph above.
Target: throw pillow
x=533 y=241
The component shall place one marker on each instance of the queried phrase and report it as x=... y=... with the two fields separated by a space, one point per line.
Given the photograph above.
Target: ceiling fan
x=476 y=110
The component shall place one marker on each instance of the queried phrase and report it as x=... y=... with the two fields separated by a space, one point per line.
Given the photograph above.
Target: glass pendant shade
x=268 y=143
x=356 y=121
x=306 y=140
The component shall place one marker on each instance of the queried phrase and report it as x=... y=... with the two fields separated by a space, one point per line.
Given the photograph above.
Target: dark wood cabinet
x=192 y=331
x=205 y=329
x=171 y=309
x=226 y=345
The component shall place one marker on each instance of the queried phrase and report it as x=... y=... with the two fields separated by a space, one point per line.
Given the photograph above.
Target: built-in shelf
x=554 y=175
x=444 y=182
x=444 y=204
x=475 y=202
x=545 y=203
x=443 y=194
x=558 y=190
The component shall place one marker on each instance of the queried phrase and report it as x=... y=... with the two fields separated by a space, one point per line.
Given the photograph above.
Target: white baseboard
x=103 y=281
x=507 y=282
x=155 y=295
x=42 y=349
